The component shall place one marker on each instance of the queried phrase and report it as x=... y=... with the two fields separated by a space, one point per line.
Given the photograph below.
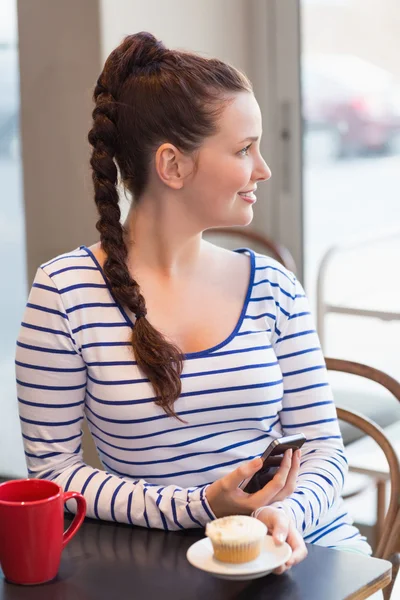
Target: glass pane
x=351 y=116
x=12 y=241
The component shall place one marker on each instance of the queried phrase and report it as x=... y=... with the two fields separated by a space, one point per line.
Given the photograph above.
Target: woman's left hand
x=282 y=530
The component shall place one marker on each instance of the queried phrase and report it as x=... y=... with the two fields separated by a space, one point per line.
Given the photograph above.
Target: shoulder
x=273 y=273
x=70 y=280
x=281 y=291
x=278 y=286
x=74 y=264
x=72 y=260
x=226 y=261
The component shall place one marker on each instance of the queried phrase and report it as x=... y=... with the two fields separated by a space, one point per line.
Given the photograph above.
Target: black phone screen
x=272 y=459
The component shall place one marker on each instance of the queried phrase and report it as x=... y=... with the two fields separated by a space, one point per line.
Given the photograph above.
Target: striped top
x=267 y=379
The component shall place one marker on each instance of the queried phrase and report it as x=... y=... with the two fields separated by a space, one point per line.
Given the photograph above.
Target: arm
x=51 y=387
x=308 y=408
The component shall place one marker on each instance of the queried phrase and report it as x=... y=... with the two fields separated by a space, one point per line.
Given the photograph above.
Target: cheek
x=241 y=174
x=234 y=177
x=226 y=167
x=220 y=181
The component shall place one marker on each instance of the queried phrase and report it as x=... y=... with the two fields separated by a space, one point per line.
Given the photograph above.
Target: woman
x=186 y=359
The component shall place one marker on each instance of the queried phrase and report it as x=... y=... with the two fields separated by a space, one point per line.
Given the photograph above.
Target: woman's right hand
x=226 y=498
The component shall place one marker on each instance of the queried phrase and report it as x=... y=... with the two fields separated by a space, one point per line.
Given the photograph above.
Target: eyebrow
x=249 y=139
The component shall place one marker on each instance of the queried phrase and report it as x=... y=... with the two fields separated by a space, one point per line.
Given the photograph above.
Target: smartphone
x=272 y=458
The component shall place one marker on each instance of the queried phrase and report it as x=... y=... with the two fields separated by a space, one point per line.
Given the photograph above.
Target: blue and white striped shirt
x=267 y=379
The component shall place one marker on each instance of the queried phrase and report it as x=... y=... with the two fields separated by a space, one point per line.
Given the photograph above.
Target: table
x=108 y=560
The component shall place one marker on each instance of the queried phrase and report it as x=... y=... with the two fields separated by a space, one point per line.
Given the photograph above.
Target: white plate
x=201 y=555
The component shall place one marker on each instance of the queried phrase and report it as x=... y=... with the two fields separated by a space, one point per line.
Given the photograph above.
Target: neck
x=162 y=240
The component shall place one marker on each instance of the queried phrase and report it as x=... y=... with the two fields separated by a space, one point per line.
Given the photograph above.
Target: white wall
x=214 y=27
x=59 y=46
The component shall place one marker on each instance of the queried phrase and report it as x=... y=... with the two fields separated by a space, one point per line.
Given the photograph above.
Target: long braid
x=156 y=351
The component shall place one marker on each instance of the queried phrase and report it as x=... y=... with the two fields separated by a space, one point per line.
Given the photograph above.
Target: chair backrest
x=385 y=545
x=256 y=241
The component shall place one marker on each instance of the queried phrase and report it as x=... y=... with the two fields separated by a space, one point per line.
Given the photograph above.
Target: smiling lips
x=248 y=196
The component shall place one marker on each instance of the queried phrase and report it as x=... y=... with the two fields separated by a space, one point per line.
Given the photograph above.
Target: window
x=12 y=241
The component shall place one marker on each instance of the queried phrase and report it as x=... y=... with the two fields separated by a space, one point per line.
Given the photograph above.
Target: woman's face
x=229 y=163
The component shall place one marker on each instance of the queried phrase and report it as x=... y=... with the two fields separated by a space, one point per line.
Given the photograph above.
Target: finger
x=278 y=527
x=285 y=466
x=267 y=494
x=280 y=570
x=291 y=480
x=233 y=479
x=299 y=549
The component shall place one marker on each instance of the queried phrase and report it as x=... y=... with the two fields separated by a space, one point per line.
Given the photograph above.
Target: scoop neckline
x=207 y=350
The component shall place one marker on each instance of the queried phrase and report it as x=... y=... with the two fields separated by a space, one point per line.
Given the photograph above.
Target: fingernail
x=280 y=537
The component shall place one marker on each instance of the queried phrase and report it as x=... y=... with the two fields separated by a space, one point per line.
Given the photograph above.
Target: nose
x=262 y=172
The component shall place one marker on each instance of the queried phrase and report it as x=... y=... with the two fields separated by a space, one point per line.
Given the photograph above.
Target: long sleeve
x=51 y=386
x=308 y=408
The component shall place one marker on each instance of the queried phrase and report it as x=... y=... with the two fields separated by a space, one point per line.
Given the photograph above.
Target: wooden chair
x=393 y=551
x=390 y=384
x=255 y=240
x=388 y=546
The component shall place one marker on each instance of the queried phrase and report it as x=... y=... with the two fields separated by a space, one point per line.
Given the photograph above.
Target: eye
x=243 y=152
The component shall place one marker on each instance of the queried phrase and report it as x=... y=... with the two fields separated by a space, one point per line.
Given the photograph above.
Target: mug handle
x=78 y=519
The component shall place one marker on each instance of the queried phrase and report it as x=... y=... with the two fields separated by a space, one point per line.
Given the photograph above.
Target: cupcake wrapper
x=237 y=553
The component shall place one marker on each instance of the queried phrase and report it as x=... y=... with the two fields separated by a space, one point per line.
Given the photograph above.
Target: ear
x=172 y=166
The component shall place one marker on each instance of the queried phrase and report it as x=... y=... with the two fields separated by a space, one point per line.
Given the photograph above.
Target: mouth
x=248 y=196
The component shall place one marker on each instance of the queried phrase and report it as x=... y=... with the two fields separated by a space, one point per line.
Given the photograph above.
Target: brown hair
x=147 y=95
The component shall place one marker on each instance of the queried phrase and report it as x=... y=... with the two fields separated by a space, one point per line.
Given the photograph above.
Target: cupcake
x=236 y=539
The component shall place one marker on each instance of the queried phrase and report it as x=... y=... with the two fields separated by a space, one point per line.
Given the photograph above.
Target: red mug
x=32 y=535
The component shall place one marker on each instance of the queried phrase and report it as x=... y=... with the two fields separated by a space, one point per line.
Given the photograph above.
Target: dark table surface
x=110 y=561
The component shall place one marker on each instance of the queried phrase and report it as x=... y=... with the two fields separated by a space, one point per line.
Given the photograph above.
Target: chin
x=243 y=219
x=237 y=222
x=249 y=219
x=237 y=219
